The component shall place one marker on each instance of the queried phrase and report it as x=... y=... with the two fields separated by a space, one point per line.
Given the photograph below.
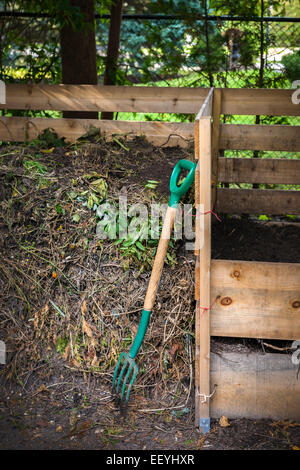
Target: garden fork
x=126 y=369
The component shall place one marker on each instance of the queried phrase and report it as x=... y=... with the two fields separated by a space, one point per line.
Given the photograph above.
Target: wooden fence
x=234 y=298
x=242 y=298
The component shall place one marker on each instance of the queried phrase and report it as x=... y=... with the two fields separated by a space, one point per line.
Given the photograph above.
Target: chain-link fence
x=212 y=51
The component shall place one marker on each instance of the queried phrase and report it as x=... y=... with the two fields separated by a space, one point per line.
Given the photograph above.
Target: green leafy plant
x=291 y=64
x=48 y=139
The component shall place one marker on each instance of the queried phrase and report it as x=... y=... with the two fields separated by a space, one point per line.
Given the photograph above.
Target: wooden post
x=216 y=111
x=205 y=256
x=202 y=327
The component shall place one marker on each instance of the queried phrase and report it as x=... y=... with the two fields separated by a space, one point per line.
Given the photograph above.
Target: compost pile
x=71 y=300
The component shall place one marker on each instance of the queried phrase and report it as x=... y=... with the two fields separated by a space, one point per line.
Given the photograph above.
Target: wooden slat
x=198 y=227
x=147 y=99
x=244 y=101
x=20 y=129
x=105 y=98
x=215 y=143
x=203 y=316
x=258 y=201
x=206 y=108
x=260 y=137
x=257 y=299
x=257 y=386
x=259 y=170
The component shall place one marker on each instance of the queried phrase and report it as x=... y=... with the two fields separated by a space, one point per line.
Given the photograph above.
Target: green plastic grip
x=178 y=191
x=140 y=333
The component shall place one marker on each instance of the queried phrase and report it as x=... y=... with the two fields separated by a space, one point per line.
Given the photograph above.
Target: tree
x=78 y=52
x=110 y=75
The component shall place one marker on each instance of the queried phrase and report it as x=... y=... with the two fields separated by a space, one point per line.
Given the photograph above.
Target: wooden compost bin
x=242 y=298
x=234 y=298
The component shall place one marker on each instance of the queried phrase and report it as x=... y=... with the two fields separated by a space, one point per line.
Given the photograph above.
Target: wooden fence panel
x=257 y=386
x=147 y=99
x=260 y=137
x=105 y=98
x=256 y=299
x=258 y=201
x=246 y=101
x=259 y=170
x=20 y=129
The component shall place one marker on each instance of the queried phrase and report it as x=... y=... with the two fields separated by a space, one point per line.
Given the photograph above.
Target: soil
x=55 y=404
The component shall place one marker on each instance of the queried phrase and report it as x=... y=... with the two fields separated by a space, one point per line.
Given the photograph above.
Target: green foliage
x=291 y=63
x=61 y=344
x=48 y=139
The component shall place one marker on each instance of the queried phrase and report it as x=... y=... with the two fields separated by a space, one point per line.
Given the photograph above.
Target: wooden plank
x=260 y=137
x=245 y=101
x=196 y=143
x=256 y=299
x=20 y=129
x=257 y=386
x=259 y=170
x=206 y=108
x=105 y=98
x=258 y=201
x=198 y=221
x=197 y=279
x=215 y=143
x=147 y=99
x=203 y=312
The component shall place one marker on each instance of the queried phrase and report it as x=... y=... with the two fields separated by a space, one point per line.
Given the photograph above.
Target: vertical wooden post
x=216 y=111
x=203 y=136
x=205 y=257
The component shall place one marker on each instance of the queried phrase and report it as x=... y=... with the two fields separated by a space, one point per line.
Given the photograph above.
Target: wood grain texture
x=256 y=299
x=206 y=108
x=203 y=316
x=258 y=201
x=20 y=129
x=147 y=99
x=257 y=386
x=245 y=101
x=215 y=143
x=260 y=137
x=259 y=170
x=160 y=258
x=105 y=98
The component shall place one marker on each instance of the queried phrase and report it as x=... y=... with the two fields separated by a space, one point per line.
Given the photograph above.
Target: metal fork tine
x=116 y=371
x=135 y=372
x=126 y=361
x=124 y=375
x=126 y=380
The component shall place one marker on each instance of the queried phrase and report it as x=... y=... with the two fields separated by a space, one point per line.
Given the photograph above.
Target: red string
x=205 y=309
x=213 y=213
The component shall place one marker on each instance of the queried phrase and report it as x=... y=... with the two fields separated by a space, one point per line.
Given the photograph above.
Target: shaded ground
x=71 y=304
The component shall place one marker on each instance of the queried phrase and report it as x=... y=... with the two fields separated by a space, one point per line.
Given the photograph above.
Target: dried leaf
x=173 y=350
x=86 y=328
x=42 y=388
x=224 y=423
x=83 y=308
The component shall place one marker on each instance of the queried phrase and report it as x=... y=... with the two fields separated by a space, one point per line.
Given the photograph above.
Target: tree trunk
x=78 y=54
x=110 y=75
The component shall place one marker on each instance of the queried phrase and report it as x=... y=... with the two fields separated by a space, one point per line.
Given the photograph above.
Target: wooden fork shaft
x=160 y=257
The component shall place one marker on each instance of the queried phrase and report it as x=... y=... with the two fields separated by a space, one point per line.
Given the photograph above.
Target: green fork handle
x=176 y=193
x=140 y=333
